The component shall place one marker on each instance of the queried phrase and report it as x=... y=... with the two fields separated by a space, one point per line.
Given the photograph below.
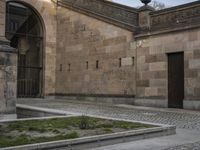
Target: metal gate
x=24 y=30
x=28 y=84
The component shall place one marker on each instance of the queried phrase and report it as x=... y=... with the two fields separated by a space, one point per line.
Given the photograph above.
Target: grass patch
x=38 y=131
x=108 y=130
x=7 y=141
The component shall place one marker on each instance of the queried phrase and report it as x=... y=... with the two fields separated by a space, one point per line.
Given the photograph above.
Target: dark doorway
x=24 y=30
x=175 y=80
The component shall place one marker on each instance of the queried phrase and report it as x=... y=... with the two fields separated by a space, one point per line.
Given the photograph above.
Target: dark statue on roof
x=146 y=1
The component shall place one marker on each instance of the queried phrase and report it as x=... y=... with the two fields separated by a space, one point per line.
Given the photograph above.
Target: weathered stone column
x=8 y=71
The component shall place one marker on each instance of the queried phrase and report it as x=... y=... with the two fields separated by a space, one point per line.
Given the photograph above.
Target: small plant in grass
x=84 y=122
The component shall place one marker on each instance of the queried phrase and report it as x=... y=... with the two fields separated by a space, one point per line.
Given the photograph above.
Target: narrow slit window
x=69 y=67
x=87 y=65
x=61 y=68
x=97 y=64
x=120 y=62
x=133 y=61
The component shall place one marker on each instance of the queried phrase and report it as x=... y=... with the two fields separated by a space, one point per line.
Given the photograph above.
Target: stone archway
x=46 y=10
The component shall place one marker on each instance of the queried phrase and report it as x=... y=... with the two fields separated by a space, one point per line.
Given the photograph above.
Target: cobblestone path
x=191 y=146
x=180 y=118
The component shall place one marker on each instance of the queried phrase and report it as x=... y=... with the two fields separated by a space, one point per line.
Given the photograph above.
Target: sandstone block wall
x=152 y=65
x=93 y=57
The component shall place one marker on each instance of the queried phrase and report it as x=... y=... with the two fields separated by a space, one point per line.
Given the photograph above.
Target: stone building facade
x=105 y=52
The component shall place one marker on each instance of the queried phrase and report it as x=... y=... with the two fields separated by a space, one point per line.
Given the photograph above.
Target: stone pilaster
x=144 y=16
x=8 y=71
x=2 y=18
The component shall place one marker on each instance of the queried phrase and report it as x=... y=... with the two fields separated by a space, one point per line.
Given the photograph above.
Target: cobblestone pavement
x=180 y=118
x=191 y=146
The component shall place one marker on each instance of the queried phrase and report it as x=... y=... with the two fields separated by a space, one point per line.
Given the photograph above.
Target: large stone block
x=192 y=82
x=197 y=54
x=155 y=58
x=158 y=82
x=156 y=50
x=192 y=45
x=127 y=61
x=141 y=60
x=142 y=83
x=154 y=75
x=175 y=47
x=158 y=66
x=151 y=92
x=113 y=41
x=194 y=64
x=191 y=73
x=193 y=36
x=143 y=51
x=143 y=67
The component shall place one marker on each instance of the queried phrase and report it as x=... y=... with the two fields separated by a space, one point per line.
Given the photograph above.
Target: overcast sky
x=136 y=3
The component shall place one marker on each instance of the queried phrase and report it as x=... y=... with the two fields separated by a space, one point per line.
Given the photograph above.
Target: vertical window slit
x=97 y=64
x=87 y=66
x=69 y=67
x=133 y=61
x=61 y=68
x=120 y=62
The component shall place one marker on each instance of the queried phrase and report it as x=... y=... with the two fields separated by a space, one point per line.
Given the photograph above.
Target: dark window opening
x=69 y=67
x=120 y=62
x=87 y=65
x=97 y=64
x=61 y=68
x=133 y=61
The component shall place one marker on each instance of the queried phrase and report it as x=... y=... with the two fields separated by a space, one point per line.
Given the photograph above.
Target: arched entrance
x=24 y=30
